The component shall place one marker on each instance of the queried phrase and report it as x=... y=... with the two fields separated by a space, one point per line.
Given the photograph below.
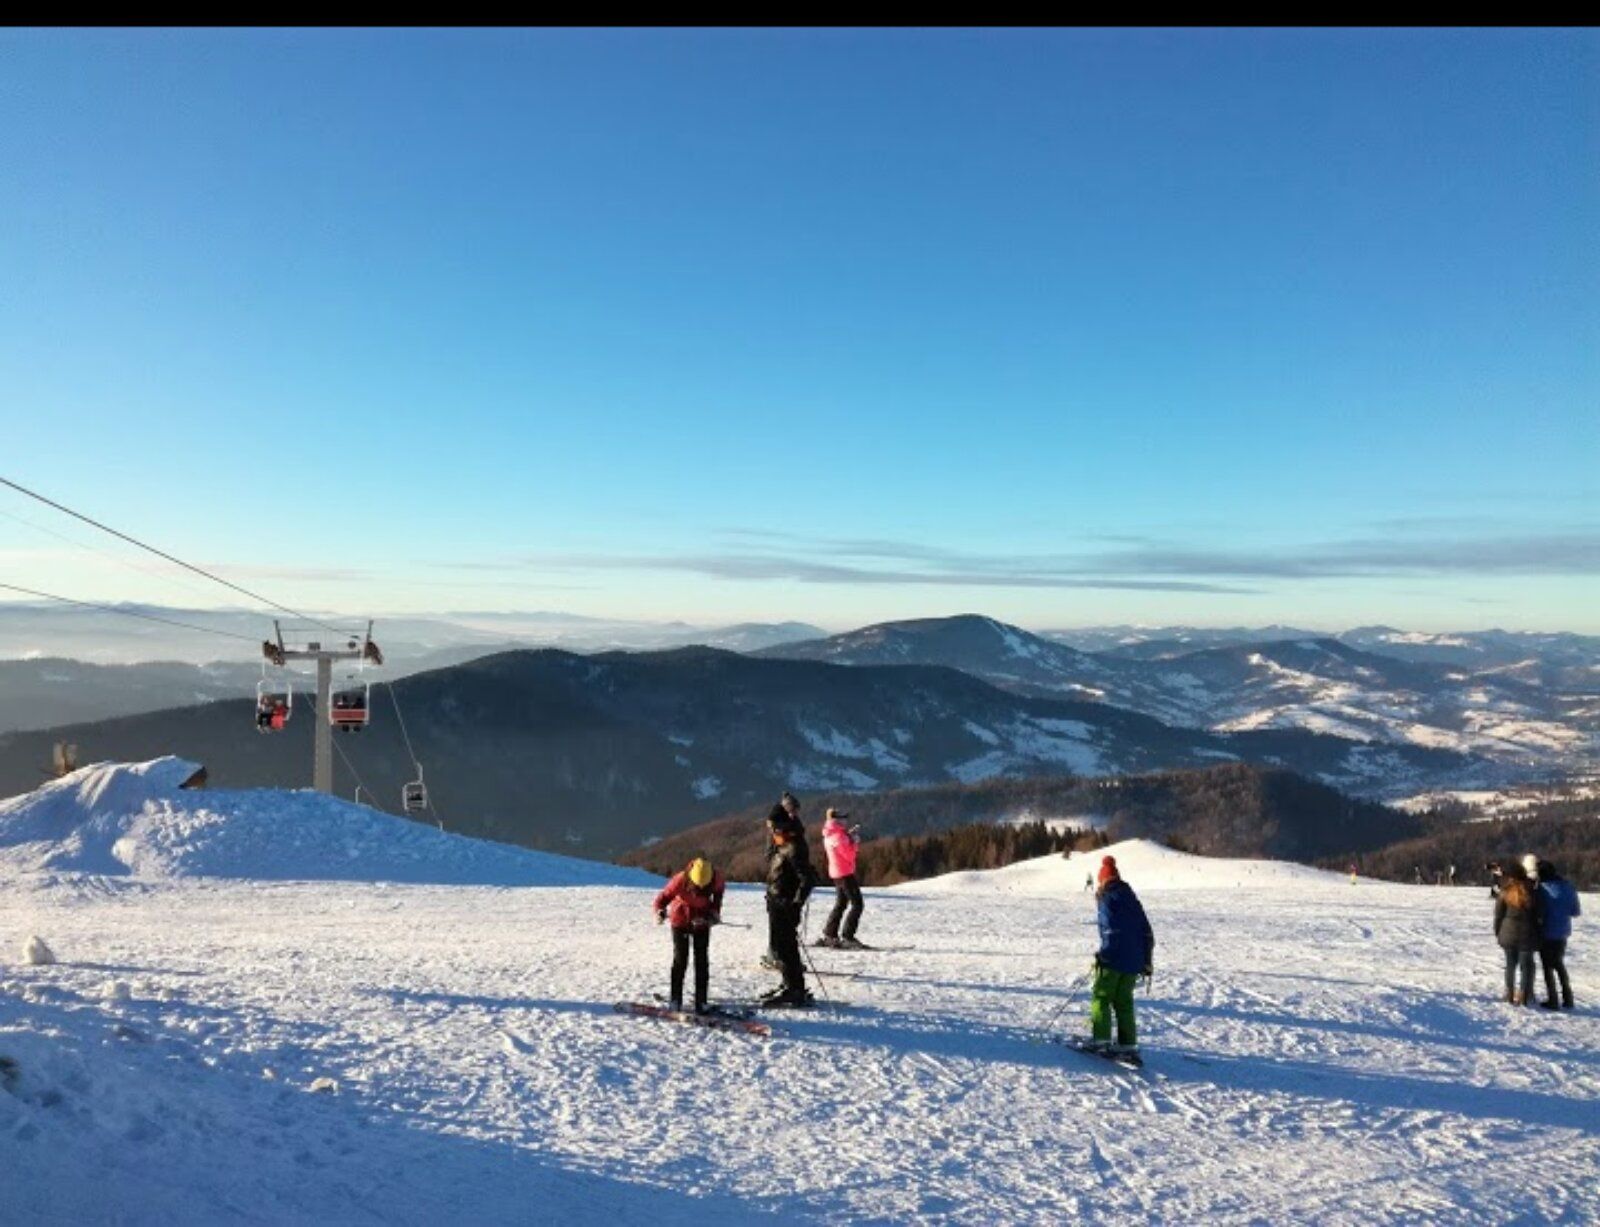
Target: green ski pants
x=1113 y=992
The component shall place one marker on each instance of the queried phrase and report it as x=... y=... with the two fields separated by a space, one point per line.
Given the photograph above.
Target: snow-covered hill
x=1146 y=865
x=137 y=819
x=1317 y=1052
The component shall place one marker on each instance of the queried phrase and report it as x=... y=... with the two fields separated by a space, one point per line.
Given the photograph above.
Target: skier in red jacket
x=692 y=900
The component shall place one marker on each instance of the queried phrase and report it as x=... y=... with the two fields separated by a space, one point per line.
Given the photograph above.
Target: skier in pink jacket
x=840 y=842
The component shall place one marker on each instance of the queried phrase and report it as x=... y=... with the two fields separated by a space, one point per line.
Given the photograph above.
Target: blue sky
x=1064 y=327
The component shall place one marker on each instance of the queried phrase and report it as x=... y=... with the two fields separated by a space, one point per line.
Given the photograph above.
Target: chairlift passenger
x=348 y=711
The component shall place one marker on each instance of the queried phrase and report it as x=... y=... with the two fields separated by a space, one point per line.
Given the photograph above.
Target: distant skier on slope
x=841 y=843
x=1560 y=906
x=692 y=900
x=1518 y=923
x=1127 y=951
x=790 y=879
x=1496 y=878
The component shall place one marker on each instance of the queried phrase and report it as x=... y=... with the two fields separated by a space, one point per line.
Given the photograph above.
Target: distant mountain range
x=135 y=634
x=1574 y=660
x=1539 y=712
x=595 y=754
x=105 y=665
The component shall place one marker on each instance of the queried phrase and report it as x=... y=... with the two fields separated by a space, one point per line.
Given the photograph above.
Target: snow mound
x=136 y=819
x=1144 y=865
x=35 y=953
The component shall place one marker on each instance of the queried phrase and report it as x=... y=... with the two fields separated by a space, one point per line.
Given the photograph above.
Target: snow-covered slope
x=1145 y=865
x=1316 y=1053
x=136 y=819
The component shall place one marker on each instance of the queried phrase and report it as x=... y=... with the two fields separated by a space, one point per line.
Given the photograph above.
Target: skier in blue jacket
x=1127 y=949
x=1560 y=906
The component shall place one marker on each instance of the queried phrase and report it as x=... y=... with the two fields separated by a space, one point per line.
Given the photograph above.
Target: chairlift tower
x=359 y=648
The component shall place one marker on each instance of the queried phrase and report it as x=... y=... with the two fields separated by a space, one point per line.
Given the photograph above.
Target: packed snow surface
x=215 y=1050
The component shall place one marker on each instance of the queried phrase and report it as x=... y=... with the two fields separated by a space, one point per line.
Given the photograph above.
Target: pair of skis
x=1127 y=1060
x=725 y=1016
x=718 y=1018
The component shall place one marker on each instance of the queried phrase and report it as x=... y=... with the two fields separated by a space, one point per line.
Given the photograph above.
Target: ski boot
x=787 y=1000
x=828 y=943
x=803 y=1000
x=1128 y=1054
x=675 y=1004
x=851 y=943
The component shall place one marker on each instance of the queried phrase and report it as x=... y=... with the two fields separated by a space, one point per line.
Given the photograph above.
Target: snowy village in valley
x=494 y=726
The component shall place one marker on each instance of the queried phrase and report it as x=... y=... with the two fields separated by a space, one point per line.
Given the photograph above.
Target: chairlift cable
x=94 y=549
x=415 y=762
x=188 y=566
x=128 y=613
x=356 y=775
x=402 y=720
x=203 y=573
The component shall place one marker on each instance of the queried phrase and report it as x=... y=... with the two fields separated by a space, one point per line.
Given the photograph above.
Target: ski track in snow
x=1316 y=1051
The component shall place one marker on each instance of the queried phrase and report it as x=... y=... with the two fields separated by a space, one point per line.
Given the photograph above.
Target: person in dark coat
x=785 y=817
x=1127 y=951
x=692 y=901
x=1518 y=923
x=1561 y=904
x=790 y=881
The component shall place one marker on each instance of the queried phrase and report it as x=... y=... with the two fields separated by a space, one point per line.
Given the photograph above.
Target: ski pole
x=1067 y=1000
x=805 y=919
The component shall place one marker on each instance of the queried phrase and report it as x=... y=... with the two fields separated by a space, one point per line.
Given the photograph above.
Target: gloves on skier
x=661 y=918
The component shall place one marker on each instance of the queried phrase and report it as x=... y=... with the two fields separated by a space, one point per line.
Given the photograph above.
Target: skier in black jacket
x=784 y=816
x=790 y=880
